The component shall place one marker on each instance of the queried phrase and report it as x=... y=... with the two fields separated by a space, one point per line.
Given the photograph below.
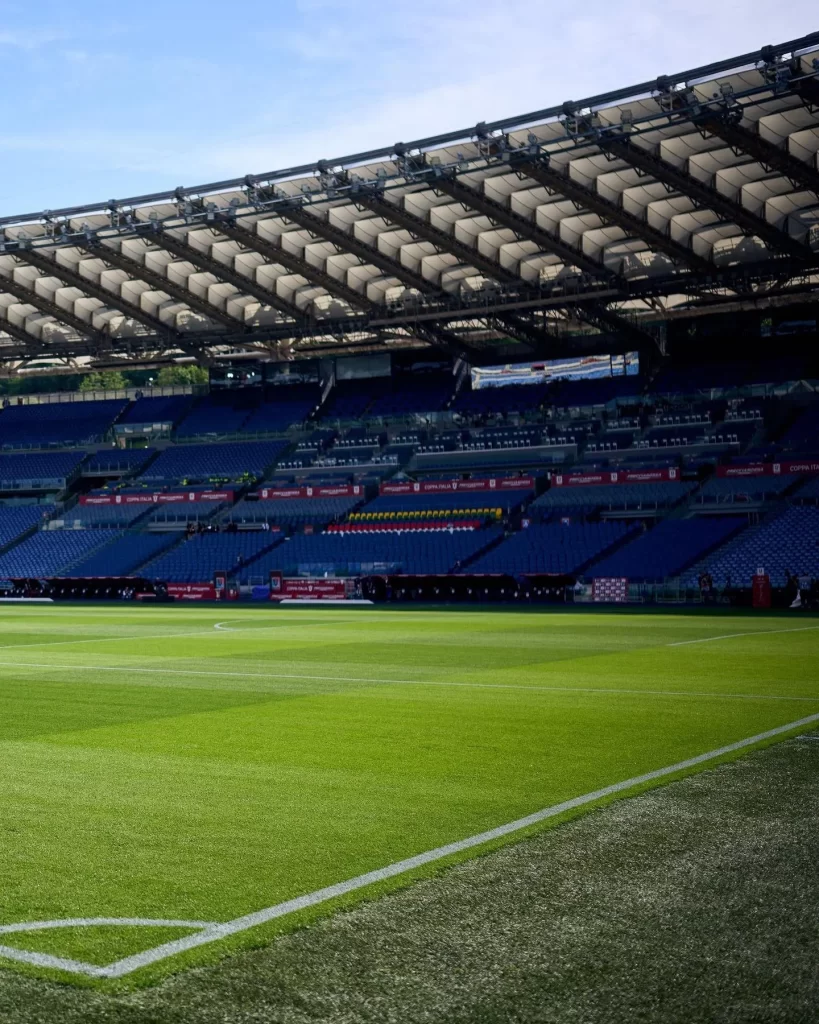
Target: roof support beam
x=276 y=254
x=245 y=284
x=702 y=194
x=32 y=346
x=63 y=316
x=347 y=242
x=769 y=155
x=129 y=309
x=442 y=240
x=601 y=316
x=557 y=182
x=161 y=283
x=523 y=228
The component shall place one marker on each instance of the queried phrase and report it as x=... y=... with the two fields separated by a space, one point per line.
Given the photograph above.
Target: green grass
x=153 y=766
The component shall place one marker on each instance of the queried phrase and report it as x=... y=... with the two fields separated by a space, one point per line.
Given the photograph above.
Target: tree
x=192 y=375
x=103 y=380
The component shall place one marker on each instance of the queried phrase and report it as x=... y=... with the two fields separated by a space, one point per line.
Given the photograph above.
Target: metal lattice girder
x=557 y=182
x=32 y=346
x=540 y=340
x=296 y=264
x=769 y=155
x=702 y=194
x=162 y=283
x=441 y=337
x=245 y=284
x=347 y=242
x=523 y=228
x=64 y=316
x=129 y=309
x=441 y=239
x=601 y=316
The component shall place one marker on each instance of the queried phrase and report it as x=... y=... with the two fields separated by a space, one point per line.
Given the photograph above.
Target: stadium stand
x=787 y=541
x=552 y=547
x=669 y=548
x=162 y=410
x=283 y=408
x=38 y=471
x=119 y=516
x=58 y=423
x=248 y=459
x=115 y=461
x=736 y=489
x=49 y=552
x=199 y=557
x=179 y=513
x=292 y=512
x=640 y=497
x=433 y=552
x=122 y=555
x=16 y=520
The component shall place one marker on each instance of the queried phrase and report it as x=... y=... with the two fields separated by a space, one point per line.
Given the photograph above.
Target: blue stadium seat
x=552 y=547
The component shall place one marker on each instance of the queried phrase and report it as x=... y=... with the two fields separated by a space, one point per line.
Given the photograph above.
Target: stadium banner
x=610 y=589
x=617 y=476
x=156 y=498
x=806 y=466
x=504 y=483
x=303 y=589
x=327 y=491
x=192 y=591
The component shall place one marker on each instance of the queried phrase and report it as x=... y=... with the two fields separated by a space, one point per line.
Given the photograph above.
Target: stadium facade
x=575 y=344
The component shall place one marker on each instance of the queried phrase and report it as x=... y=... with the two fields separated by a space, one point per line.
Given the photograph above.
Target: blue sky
x=106 y=99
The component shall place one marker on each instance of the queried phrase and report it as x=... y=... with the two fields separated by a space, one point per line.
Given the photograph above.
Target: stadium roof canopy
x=692 y=193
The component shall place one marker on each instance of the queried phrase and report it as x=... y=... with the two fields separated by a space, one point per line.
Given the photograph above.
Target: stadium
x=477 y=566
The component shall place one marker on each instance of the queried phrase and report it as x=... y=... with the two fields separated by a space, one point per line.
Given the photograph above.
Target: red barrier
x=504 y=483
x=192 y=591
x=806 y=466
x=617 y=476
x=311 y=590
x=329 y=491
x=156 y=497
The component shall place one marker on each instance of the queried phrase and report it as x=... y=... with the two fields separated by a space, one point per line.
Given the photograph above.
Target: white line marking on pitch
x=212 y=933
x=730 y=636
x=159 y=670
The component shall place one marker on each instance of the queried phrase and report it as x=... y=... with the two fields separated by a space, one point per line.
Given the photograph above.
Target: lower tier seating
x=49 y=552
x=197 y=559
x=552 y=548
x=18 y=519
x=126 y=553
x=668 y=548
x=790 y=542
x=350 y=553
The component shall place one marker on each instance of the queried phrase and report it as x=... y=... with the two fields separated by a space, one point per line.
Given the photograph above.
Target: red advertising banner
x=808 y=466
x=311 y=590
x=616 y=476
x=327 y=491
x=505 y=483
x=156 y=498
x=192 y=591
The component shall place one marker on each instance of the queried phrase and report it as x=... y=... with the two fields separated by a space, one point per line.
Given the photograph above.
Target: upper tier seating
x=18 y=519
x=118 y=516
x=506 y=499
x=668 y=548
x=572 y=393
x=48 y=552
x=414 y=393
x=58 y=423
x=803 y=435
x=616 y=496
x=729 y=489
x=292 y=512
x=788 y=541
x=514 y=398
x=283 y=408
x=184 y=511
x=221 y=461
x=551 y=548
x=810 y=489
x=38 y=471
x=197 y=559
x=164 y=409
x=350 y=399
x=122 y=556
x=117 y=460
x=219 y=413
x=350 y=553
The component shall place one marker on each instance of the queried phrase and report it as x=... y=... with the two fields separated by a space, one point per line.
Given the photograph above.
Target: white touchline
x=269 y=677
x=730 y=636
x=215 y=932
x=105 y=640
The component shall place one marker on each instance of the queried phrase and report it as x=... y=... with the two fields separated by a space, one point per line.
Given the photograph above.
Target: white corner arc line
x=731 y=636
x=212 y=933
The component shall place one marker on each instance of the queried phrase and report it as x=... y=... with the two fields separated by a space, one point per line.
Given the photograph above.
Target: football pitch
x=181 y=782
